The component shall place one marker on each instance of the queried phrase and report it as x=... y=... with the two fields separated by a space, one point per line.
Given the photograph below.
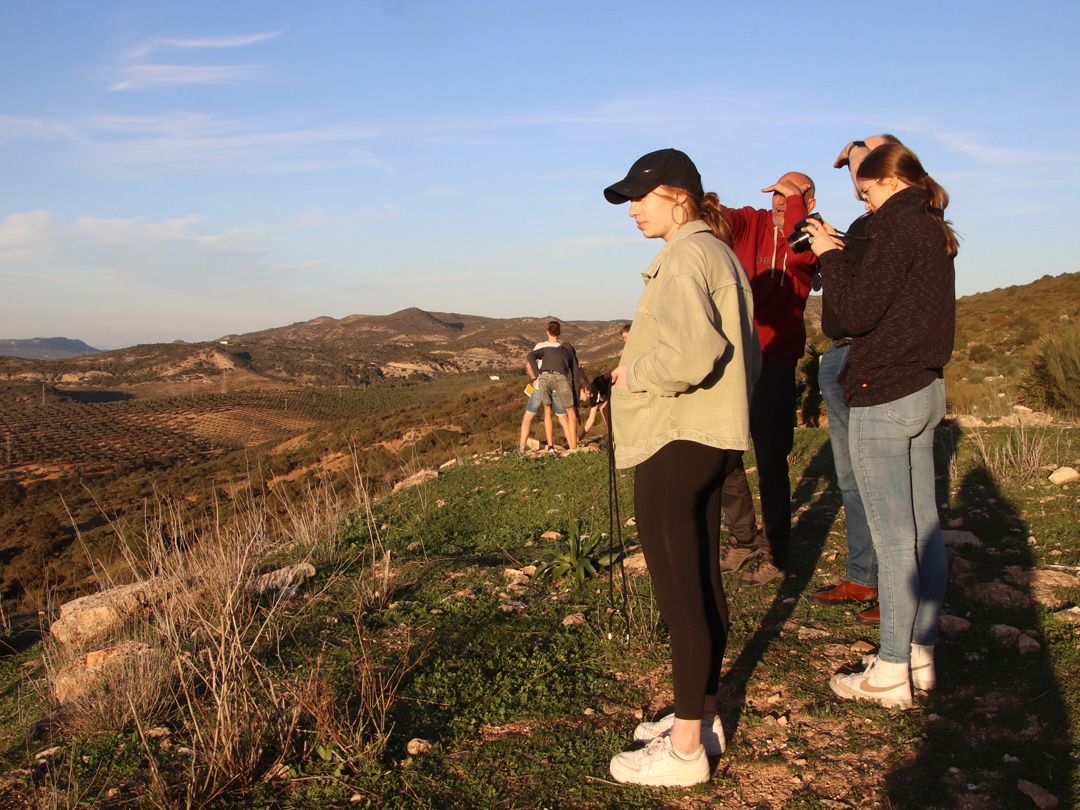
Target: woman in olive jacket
x=680 y=414
x=898 y=302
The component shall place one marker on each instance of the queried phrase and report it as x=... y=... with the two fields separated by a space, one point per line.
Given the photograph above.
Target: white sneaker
x=712 y=736
x=923 y=676
x=660 y=765
x=895 y=693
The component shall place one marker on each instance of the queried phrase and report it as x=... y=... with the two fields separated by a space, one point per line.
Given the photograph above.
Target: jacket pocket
x=630 y=415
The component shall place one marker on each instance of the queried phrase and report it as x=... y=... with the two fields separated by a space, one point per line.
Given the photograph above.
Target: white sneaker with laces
x=660 y=765
x=881 y=682
x=712 y=735
x=923 y=675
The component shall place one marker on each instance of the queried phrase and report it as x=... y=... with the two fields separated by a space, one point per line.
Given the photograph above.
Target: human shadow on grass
x=810 y=531
x=997 y=716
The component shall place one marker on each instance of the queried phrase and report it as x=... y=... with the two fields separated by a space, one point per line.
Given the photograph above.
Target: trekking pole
x=615 y=525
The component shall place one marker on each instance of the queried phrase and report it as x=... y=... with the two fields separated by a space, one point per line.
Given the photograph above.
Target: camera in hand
x=799 y=240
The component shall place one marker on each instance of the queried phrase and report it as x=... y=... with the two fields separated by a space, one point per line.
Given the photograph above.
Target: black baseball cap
x=667 y=167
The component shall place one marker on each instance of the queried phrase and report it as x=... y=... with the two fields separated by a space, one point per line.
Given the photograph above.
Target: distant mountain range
x=56 y=348
x=358 y=349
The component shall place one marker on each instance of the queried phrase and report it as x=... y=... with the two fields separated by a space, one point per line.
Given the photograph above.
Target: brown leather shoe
x=844 y=593
x=871 y=616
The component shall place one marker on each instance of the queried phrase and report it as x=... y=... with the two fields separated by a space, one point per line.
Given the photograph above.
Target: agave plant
x=579 y=555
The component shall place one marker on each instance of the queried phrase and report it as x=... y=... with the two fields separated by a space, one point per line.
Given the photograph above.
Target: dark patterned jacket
x=898 y=302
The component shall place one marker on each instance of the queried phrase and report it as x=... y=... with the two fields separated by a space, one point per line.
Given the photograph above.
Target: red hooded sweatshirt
x=780 y=279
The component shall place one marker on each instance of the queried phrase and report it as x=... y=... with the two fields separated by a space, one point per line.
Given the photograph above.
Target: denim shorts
x=534 y=404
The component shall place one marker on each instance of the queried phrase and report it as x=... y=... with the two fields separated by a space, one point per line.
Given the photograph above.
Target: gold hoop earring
x=675 y=207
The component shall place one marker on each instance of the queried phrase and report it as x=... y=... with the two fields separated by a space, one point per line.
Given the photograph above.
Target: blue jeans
x=861 y=562
x=892 y=450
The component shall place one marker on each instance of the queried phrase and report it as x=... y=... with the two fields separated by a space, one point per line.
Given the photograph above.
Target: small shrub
x=1052 y=383
x=580 y=556
x=980 y=353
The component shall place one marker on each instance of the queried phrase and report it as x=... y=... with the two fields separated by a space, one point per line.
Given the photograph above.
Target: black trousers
x=772 y=427
x=677 y=507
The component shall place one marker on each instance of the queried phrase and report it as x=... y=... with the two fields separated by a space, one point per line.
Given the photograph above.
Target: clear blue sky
x=188 y=170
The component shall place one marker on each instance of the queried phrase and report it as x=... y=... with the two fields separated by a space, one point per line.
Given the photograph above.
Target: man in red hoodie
x=781 y=280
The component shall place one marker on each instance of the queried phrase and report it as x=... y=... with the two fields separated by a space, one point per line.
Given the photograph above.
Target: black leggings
x=677 y=507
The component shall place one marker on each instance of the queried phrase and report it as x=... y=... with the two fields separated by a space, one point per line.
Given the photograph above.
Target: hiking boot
x=712 y=735
x=881 y=682
x=761 y=569
x=660 y=765
x=843 y=594
x=735 y=557
x=871 y=616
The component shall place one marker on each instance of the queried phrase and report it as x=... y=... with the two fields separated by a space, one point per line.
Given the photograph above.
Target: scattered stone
x=416 y=746
x=1027 y=645
x=282 y=579
x=551 y=536
x=1064 y=475
x=574 y=619
x=955 y=538
x=78 y=678
x=415 y=480
x=158 y=731
x=863 y=647
x=1019 y=418
x=356 y=798
x=415 y=545
x=998 y=595
x=510 y=607
x=1043 y=798
x=92 y=617
x=953 y=625
x=1069 y=615
x=517 y=578
x=436 y=611
x=500 y=492
x=1009 y=759
x=956 y=523
x=48 y=752
x=446 y=465
x=1004 y=635
x=635 y=563
x=961 y=566
x=439 y=504
x=630 y=522
x=529 y=570
x=805 y=633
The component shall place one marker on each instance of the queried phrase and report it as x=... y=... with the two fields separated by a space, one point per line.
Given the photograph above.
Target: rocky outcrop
x=93 y=617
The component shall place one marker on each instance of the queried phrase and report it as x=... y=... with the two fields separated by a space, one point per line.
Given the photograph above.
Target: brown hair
x=705 y=208
x=896 y=160
x=554 y=328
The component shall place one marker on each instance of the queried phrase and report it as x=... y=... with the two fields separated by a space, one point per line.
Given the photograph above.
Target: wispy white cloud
x=171 y=252
x=138 y=76
x=171 y=43
x=974 y=146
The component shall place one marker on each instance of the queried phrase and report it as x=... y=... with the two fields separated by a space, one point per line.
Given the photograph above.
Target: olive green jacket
x=692 y=356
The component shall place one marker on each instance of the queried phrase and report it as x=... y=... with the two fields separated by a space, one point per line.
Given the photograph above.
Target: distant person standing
x=680 y=414
x=555 y=370
x=781 y=281
x=860 y=579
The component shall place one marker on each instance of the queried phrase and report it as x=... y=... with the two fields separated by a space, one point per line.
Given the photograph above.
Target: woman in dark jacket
x=898 y=302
